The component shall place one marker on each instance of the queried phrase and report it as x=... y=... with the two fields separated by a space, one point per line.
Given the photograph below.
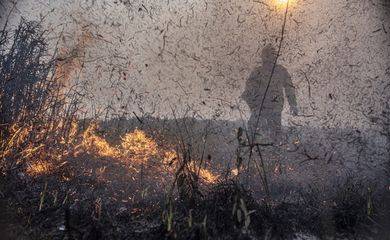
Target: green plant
x=42 y=197
x=242 y=214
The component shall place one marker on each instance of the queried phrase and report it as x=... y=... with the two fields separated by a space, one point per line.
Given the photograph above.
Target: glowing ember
x=208 y=176
x=38 y=168
x=169 y=157
x=234 y=172
x=204 y=174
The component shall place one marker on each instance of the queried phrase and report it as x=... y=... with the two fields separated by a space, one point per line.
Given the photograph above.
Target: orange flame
x=138 y=146
x=92 y=143
x=38 y=168
x=204 y=174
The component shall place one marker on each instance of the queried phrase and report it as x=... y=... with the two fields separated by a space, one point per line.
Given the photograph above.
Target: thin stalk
x=262 y=171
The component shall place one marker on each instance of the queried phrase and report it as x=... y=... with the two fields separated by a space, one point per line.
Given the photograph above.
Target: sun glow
x=283 y=3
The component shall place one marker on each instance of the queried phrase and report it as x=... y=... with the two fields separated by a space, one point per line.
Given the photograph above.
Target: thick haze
x=154 y=56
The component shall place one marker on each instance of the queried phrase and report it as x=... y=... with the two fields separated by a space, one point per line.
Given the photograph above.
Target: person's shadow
x=268 y=127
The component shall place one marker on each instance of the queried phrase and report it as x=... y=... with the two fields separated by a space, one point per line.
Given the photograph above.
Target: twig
x=272 y=72
x=263 y=172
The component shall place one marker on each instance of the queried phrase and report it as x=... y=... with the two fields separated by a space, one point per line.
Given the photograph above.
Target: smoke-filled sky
x=151 y=57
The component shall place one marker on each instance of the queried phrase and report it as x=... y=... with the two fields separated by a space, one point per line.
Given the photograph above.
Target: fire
x=92 y=143
x=73 y=131
x=138 y=146
x=38 y=168
x=18 y=136
x=234 y=172
x=208 y=176
x=135 y=149
x=169 y=157
x=204 y=174
x=34 y=148
x=135 y=146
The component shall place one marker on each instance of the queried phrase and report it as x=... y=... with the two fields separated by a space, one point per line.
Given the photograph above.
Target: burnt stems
x=24 y=75
x=35 y=113
x=348 y=210
x=107 y=191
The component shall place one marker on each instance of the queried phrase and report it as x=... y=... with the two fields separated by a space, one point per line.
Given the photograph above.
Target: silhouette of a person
x=270 y=119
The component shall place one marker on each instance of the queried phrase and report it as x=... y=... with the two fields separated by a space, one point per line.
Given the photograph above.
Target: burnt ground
x=10 y=225
x=304 y=156
x=77 y=199
x=81 y=201
x=87 y=196
x=92 y=197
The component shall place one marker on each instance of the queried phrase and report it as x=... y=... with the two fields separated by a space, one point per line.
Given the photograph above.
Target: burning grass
x=137 y=150
x=38 y=168
x=68 y=181
x=138 y=146
x=94 y=144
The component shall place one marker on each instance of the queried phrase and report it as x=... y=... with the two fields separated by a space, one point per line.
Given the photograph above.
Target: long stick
x=273 y=70
x=252 y=145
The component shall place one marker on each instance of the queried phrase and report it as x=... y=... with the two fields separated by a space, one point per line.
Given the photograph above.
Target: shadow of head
x=269 y=55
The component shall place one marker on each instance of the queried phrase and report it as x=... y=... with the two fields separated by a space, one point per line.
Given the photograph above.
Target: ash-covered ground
x=194 y=120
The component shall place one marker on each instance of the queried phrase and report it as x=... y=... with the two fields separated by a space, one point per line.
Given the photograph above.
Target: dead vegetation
x=67 y=181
